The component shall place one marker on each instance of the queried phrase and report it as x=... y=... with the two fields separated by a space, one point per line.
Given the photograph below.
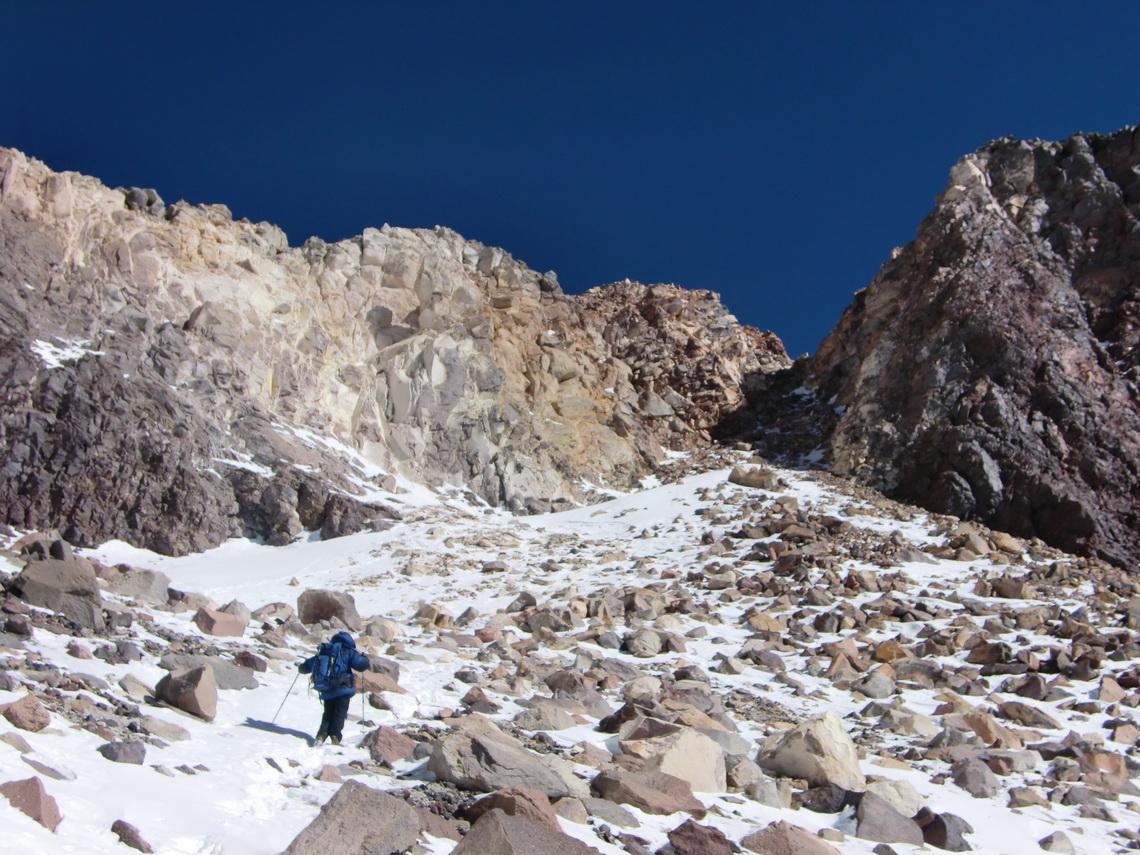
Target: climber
x=331 y=669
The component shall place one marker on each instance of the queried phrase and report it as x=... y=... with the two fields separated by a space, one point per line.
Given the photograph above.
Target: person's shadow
x=270 y=727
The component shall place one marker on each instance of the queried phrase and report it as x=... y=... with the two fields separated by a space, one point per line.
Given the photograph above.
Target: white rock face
x=818 y=750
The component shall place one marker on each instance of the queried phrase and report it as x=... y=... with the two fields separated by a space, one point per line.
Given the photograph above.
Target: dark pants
x=332 y=722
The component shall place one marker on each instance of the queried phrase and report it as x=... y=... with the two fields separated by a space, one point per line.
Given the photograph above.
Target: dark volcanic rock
x=990 y=369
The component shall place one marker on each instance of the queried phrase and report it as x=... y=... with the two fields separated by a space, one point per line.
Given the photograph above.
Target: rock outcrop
x=171 y=377
x=990 y=369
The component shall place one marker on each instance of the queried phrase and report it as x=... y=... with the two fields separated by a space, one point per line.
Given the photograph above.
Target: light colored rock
x=900 y=795
x=478 y=756
x=316 y=605
x=689 y=755
x=654 y=792
x=818 y=750
x=192 y=690
x=146 y=586
x=220 y=623
x=27 y=714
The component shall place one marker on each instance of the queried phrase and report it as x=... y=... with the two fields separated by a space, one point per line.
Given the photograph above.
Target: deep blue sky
x=774 y=153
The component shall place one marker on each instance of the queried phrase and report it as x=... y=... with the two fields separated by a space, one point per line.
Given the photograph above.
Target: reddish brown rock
x=358 y=819
x=783 y=838
x=130 y=836
x=319 y=604
x=192 y=690
x=30 y=797
x=526 y=802
x=497 y=833
x=388 y=746
x=218 y=623
x=689 y=838
x=27 y=714
x=652 y=791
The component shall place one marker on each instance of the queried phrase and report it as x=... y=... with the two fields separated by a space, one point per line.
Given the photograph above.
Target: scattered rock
x=30 y=797
x=689 y=838
x=192 y=690
x=130 y=836
x=783 y=838
x=497 y=833
x=316 y=605
x=358 y=819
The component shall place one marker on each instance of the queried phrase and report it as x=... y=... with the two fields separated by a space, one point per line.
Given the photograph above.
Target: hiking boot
x=336 y=740
x=320 y=740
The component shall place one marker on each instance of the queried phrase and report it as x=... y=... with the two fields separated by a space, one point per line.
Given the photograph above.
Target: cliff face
x=172 y=377
x=990 y=369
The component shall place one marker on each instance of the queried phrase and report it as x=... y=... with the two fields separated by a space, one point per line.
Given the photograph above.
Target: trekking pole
x=284 y=699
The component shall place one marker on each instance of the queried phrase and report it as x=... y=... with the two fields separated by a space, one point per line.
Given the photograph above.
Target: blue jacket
x=358 y=662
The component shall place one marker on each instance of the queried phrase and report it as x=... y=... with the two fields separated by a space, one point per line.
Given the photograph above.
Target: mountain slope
x=990 y=369
x=172 y=377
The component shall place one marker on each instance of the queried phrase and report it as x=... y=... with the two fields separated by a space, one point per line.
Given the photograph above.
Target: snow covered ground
x=249 y=783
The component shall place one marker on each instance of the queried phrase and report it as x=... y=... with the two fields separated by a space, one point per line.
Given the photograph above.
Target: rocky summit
x=990 y=369
x=173 y=378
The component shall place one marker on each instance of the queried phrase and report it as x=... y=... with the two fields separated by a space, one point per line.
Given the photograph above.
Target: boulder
x=526 y=802
x=27 y=714
x=146 y=586
x=498 y=833
x=192 y=690
x=316 y=605
x=877 y=820
x=130 y=751
x=901 y=795
x=359 y=819
x=818 y=750
x=30 y=797
x=219 y=623
x=652 y=791
x=783 y=838
x=228 y=675
x=68 y=588
x=760 y=478
x=686 y=754
x=387 y=745
x=689 y=838
x=478 y=756
x=975 y=778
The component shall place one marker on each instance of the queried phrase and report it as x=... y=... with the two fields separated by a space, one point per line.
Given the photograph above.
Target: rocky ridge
x=658 y=673
x=172 y=377
x=990 y=369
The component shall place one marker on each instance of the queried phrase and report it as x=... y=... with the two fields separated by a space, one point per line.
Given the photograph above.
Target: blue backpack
x=331 y=670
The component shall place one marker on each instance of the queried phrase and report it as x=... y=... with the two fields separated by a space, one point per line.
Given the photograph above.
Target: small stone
x=130 y=836
x=1058 y=841
x=130 y=751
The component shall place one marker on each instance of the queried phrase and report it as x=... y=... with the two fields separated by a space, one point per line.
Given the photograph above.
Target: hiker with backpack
x=331 y=671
